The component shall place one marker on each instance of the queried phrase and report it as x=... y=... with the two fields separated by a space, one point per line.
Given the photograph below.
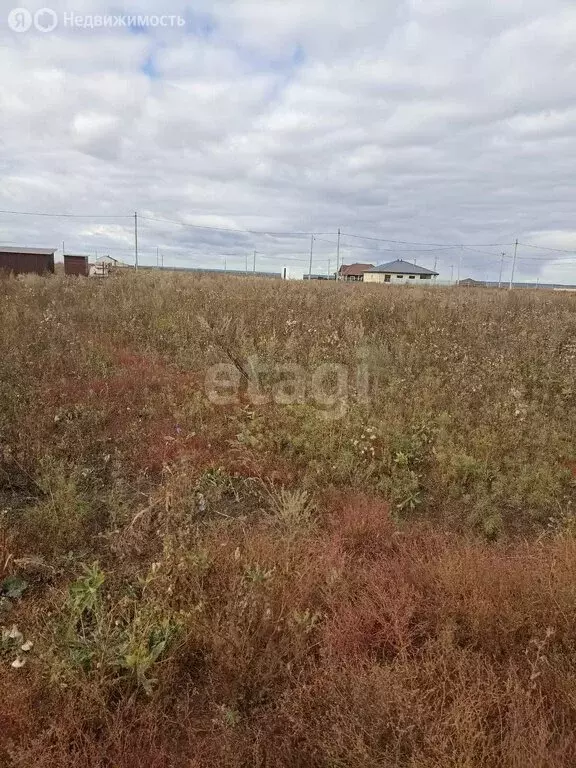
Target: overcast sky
x=439 y=122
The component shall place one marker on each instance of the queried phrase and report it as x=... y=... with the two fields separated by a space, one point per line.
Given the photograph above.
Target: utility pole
x=157 y=256
x=246 y=255
x=225 y=264
x=501 y=268
x=451 y=274
x=329 y=260
x=254 y=263
x=338 y=255
x=459 y=265
x=135 y=240
x=311 y=256
x=513 y=264
x=63 y=251
x=435 y=262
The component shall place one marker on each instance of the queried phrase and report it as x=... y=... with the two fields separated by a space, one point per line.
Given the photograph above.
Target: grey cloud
x=442 y=121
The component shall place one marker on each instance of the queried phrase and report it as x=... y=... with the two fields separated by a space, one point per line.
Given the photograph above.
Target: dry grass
x=255 y=585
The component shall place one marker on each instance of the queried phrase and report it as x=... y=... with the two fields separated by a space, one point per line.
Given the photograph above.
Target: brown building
x=75 y=265
x=19 y=261
x=353 y=272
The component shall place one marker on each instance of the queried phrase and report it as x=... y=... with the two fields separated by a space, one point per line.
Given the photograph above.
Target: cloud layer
x=420 y=121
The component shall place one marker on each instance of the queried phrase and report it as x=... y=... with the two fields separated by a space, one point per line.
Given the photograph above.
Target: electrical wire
x=230 y=229
x=421 y=248
x=544 y=248
x=69 y=215
x=439 y=245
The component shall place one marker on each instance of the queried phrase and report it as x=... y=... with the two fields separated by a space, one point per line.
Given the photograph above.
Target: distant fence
x=200 y=270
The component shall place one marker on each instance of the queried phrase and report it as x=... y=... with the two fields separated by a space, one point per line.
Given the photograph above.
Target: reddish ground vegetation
x=257 y=586
x=138 y=399
x=425 y=650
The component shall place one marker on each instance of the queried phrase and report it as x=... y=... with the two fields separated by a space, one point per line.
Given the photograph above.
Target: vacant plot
x=252 y=523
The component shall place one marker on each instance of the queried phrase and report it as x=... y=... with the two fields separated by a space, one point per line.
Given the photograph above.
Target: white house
x=399 y=271
x=111 y=262
x=104 y=266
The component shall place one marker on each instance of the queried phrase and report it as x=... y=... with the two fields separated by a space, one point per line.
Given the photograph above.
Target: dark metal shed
x=27 y=260
x=75 y=265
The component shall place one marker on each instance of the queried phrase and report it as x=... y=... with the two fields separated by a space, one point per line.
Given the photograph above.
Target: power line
x=231 y=229
x=274 y=233
x=546 y=253
x=544 y=248
x=408 y=242
x=475 y=250
x=280 y=234
x=160 y=219
x=545 y=260
x=241 y=231
x=69 y=215
x=348 y=246
x=514 y=264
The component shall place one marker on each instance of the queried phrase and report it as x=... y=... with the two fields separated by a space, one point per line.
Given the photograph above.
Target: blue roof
x=401 y=267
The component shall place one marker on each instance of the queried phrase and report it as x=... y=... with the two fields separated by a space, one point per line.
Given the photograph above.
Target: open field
x=252 y=523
